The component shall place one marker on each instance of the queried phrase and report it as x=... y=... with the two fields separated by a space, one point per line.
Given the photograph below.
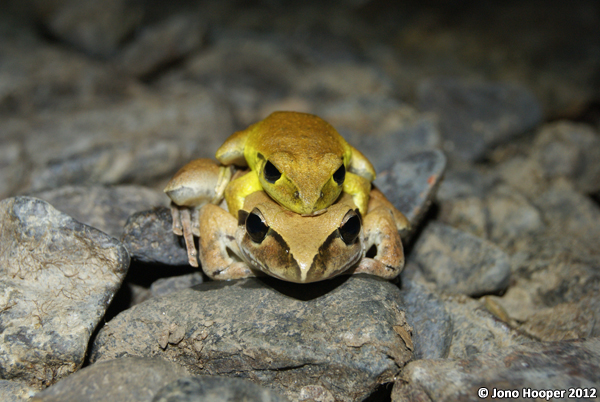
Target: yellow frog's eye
x=256 y=227
x=272 y=174
x=340 y=175
x=350 y=228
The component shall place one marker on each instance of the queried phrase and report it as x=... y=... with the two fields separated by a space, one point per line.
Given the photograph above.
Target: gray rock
x=11 y=391
x=96 y=28
x=476 y=329
x=58 y=278
x=476 y=116
x=103 y=207
x=165 y=42
x=560 y=150
x=148 y=236
x=459 y=262
x=344 y=336
x=344 y=79
x=383 y=129
x=138 y=141
x=412 y=182
x=425 y=312
x=37 y=77
x=13 y=167
x=165 y=286
x=532 y=366
x=215 y=389
x=128 y=379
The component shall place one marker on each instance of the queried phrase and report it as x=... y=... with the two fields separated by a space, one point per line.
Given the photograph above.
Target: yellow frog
x=300 y=160
x=269 y=239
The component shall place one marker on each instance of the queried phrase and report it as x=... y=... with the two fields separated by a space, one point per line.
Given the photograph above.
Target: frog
x=269 y=239
x=300 y=160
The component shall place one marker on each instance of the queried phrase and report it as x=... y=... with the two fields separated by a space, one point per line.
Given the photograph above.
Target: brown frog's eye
x=350 y=228
x=256 y=227
x=340 y=175
x=272 y=174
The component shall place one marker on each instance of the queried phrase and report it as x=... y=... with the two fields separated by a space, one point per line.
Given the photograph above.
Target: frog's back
x=295 y=134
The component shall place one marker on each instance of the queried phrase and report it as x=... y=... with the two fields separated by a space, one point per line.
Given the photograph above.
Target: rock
x=149 y=237
x=96 y=28
x=138 y=141
x=523 y=368
x=58 y=278
x=343 y=79
x=11 y=391
x=459 y=262
x=477 y=116
x=13 y=167
x=215 y=389
x=560 y=150
x=383 y=129
x=103 y=207
x=425 y=313
x=476 y=330
x=160 y=44
x=412 y=182
x=344 y=336
x=133 y=379
x=165 y=286
x=37 y=78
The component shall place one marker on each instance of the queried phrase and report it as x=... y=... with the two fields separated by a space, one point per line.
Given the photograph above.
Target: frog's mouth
x=315 y=213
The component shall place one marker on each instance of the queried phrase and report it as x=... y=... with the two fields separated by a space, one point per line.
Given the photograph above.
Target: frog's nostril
x=321 y=196
x=296 y=194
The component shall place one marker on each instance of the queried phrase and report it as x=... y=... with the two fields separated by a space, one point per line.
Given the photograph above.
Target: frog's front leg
x=358 y=187
x=381 y=226
x=200 y=182
x=219 y=252
x=239 y=188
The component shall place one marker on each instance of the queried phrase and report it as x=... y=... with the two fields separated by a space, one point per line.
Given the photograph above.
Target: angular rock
x=103 y=207
x=531 y=366
x=11 y=391
x=432 y=325
x=475 y=116
x=561 y=150
x=128 y=379
x=161 y=44
x=382 y=128
x=344 y=79
x=165 y=286
x=96 y=28
x=13 y=167
x=149 y=237
x=344 y=336
x=39 y=77
x=215 y=389
x=138 y=141
x=459 y=262
x=58 y=278
x=412 y=182
x=476 y=330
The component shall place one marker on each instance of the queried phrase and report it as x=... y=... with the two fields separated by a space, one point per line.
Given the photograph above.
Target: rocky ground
x=102 y=101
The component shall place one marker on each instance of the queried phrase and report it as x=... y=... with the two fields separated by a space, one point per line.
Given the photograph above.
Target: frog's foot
x=183 y=226
x=219 y=253
x=383 y=247
x=200 y=182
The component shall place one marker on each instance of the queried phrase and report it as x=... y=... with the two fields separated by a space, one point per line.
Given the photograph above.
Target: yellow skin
x=300 y=160
x=288 y=246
